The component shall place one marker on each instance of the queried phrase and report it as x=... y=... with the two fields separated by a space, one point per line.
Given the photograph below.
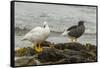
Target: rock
x=72 y=46
x=77 y=59
x=71 y=52
x=61 y=53
x=90 y=47
x=60 y=46
x=25 y=61
x=46 y=44
x=75 y=56
x=28 y=51
x=50 y=55
x=74 y=59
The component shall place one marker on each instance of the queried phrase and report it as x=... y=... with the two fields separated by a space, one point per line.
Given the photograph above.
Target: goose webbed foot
x=38 y=48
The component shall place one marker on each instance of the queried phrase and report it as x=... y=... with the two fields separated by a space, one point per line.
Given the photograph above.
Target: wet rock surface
x=61 y=53
x=51 y=54
x=25 y=61
x=29 y=51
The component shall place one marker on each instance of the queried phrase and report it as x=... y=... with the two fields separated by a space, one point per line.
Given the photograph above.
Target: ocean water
x=57 y=39
x=58 y=17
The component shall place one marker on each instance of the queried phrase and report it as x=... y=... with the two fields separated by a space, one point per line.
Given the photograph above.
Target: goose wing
x=73 y=27
x=34 y=33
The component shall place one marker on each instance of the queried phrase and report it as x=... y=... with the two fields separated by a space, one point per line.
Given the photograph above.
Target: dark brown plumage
x=77 y=30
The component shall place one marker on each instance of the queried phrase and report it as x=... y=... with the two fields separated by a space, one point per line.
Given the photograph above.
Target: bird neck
x=80 y=24
x=46 y=27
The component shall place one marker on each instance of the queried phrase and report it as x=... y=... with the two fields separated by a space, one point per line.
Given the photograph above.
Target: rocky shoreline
x=61 y=53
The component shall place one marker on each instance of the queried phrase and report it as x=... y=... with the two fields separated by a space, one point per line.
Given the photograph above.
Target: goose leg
x=38 y=48
x=75 y=39
x=72 y=40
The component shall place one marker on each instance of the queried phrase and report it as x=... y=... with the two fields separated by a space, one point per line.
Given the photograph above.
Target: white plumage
x=65 y=33
x=38 y=35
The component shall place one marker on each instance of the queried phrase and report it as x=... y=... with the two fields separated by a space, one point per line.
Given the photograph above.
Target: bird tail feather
x=65 y=33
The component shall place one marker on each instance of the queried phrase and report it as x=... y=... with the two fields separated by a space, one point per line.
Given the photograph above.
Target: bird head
x=45 y=24
x=80 y=22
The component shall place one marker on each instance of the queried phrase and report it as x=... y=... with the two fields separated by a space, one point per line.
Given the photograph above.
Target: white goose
x=37 y=36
